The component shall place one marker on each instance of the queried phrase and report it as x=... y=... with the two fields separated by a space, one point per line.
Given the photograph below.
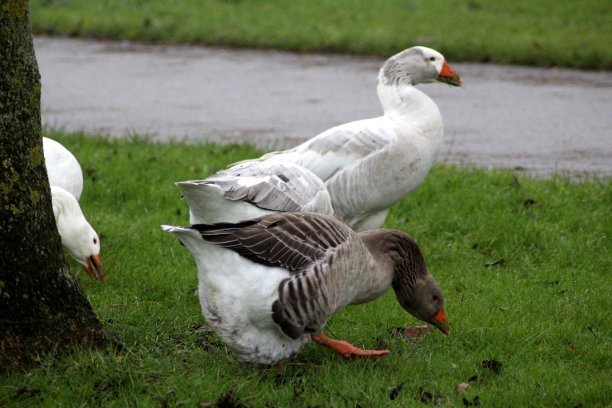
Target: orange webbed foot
x=346 y=349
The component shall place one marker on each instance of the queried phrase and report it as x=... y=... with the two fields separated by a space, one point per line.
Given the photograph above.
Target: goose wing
x=340 y=147
x=289 y=240
x=274 y=186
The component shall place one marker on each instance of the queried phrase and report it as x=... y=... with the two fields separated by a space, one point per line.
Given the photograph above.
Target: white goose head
x=417 y=65
x=78 y=237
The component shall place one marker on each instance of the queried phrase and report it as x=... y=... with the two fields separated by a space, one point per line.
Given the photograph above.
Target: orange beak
x=441 y=322
x=94 y=268
x=449 y=76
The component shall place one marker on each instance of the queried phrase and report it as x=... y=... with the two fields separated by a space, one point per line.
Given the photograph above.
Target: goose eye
x=435 y=298
x=95 y=241
x=432 y=58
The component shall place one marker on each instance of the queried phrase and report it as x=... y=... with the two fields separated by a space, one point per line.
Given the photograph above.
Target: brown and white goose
x=369 y=165
x=267 y=286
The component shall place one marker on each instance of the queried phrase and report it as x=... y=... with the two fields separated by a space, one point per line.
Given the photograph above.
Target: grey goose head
x=416 y=290
x=417 y=65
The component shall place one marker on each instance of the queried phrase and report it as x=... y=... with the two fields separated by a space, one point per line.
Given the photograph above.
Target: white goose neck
x=403 y=99
x=64 y=203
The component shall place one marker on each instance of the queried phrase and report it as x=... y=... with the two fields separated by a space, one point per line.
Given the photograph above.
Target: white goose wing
x=387 y=163
x=341 y=147
x=367 y=166
x=253 y=189
x=324 y=256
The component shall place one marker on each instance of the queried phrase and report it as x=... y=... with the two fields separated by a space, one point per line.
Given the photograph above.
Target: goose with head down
x=66 y=181
x=267 y=286
x=369 y=165
x=78 y=237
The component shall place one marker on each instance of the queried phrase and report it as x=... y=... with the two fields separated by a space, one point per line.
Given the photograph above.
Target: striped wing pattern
x=289 y=240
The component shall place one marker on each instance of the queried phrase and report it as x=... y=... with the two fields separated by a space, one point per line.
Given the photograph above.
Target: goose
x=254 y=189
x=66 y=182
x=267 y=286
x=371 y=164
x=77 y=235
x=63 y=169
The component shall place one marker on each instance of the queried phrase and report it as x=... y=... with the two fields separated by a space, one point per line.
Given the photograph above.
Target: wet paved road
x=542 y=120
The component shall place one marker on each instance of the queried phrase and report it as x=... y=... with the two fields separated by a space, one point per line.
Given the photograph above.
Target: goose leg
x=346 y=349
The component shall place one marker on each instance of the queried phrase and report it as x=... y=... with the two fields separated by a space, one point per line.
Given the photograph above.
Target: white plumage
x=236 y=296
x=63 y=168
x=78 y=237
x=254 y=189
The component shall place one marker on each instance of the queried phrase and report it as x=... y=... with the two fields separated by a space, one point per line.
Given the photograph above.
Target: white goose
x=268 y=286
x=369 y=165
x=66 y=181
x=254 y=189
x=78 y=237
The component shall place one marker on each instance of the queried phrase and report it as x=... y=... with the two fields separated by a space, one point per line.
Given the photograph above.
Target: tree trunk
x=42 y=308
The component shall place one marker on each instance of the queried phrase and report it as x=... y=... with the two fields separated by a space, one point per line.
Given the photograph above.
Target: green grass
x=524 y=263
x=546 y=32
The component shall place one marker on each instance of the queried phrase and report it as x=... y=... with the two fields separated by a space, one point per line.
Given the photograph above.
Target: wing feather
x=342 y=146
x=274 y=186
x=289 y=240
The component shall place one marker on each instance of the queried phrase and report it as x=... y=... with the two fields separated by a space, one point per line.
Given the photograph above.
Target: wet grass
x=545 y=33
x=524 y=263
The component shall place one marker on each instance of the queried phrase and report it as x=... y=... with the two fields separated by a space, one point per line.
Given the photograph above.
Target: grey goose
x=267 y=286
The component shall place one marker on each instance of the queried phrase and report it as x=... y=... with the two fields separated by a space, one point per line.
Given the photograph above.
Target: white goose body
x=254 y=189
x=236 y=297
x=269 y=285
x=369 y=165
x=63 y=169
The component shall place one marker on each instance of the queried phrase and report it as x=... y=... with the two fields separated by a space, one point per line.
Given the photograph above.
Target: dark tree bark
x=42 y=307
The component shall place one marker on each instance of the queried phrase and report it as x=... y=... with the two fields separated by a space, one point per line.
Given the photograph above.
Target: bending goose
x=66 y=181
x=267 y=286
x=78 y=237
x=253 y=189
x=63 y=168
x=369 y=165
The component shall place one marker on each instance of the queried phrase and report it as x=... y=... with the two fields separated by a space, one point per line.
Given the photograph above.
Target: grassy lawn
x=545 y=32
x=524 y=263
